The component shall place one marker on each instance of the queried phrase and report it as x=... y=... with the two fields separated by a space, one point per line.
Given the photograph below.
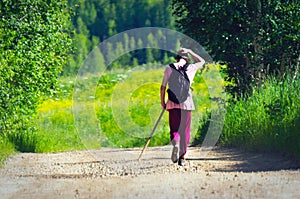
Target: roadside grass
x=127 y=105
x=268 y=120
x=56 y=130
x=7 y=149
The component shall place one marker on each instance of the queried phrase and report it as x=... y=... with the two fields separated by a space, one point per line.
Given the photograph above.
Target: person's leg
x=184 y=131
x=174 y=123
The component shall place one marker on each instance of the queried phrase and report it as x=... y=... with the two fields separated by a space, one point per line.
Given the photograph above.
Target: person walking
x=180 y=115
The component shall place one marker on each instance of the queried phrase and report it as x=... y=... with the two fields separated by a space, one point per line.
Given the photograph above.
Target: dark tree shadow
x=235 y=160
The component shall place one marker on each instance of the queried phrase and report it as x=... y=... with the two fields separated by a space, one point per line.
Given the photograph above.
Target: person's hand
x=163 y=105
x=184 y=50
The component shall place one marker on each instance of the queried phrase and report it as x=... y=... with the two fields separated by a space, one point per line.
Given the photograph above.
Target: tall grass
x=7 y=149
x=56 y=130
x=268 y=120
x=127 y=109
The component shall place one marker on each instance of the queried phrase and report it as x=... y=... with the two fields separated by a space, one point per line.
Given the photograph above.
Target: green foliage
x=55 y=124
x=117 y=16
x=97 y=20
x=33 y=48
x=126 y=130
x=7 y=149
x=255 y=38
x=121 y=122
x=268 y=120
x=210 y=83
x=24 y=139
x=121 y=125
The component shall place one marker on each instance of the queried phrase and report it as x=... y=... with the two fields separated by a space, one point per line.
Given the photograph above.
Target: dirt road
x=116 y=173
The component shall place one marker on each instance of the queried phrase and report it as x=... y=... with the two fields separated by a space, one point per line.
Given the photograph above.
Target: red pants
x=180 y=129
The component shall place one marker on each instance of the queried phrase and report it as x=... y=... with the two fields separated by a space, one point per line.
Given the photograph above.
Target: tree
x=95 y=63
x=103 y=19
x=254 y=38
x=34 y=45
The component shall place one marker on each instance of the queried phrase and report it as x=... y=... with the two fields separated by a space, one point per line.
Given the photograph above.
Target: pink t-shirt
x=188 y=104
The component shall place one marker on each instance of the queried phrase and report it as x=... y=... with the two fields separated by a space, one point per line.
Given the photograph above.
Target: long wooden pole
x=149 y=138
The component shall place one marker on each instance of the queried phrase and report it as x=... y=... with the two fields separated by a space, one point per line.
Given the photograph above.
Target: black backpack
x=179 y=84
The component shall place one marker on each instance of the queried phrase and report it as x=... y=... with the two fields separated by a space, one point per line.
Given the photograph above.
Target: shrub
x=33 y=48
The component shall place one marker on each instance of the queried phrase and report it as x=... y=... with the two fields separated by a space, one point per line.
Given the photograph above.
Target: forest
x=95 y=21
x=49 y=83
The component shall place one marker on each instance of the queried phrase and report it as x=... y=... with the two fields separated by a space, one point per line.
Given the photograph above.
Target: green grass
x=127 y=105
x=127 y=113
x=268 y=120
x=7 y=149
x=56 y=130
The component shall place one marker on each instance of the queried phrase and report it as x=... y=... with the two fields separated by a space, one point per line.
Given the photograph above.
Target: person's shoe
x=181 y=162
x=175 y=154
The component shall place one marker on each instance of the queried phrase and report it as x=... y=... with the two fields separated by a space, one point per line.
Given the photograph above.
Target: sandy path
x=116 y=173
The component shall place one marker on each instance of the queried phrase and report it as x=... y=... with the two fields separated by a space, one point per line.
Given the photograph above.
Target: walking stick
x=149 y=138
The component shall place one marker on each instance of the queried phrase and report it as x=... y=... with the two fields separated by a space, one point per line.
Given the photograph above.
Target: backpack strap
x=173 y=66
x=182 y=70
x=185 y=67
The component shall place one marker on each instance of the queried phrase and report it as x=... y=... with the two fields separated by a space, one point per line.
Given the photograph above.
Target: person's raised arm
x=199 y=61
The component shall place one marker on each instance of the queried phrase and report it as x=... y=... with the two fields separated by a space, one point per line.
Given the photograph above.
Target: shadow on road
x=234 y=160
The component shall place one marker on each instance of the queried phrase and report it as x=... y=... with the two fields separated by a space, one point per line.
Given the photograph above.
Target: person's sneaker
x=175 y=154
x=181 y=162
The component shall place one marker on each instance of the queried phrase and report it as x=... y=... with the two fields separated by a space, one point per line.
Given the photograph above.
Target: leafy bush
x=33 y=48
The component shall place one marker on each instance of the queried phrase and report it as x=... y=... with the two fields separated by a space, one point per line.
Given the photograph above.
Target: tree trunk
x=296 y=69
x=260 y=72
